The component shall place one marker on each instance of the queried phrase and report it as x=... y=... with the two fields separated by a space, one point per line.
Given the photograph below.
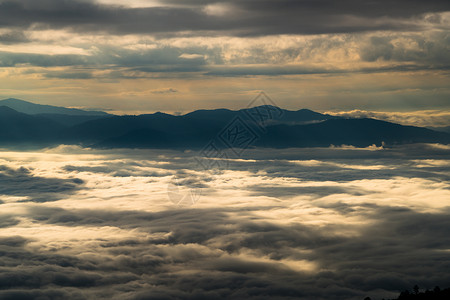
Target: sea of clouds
x=326 y=223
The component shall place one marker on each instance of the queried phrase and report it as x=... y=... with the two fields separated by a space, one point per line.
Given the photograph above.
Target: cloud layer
x=238 y=17
x=340 y=223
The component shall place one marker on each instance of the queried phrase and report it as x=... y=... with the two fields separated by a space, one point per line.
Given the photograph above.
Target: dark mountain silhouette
x=440 y=128
x=107 y=128
x=191 y=130
x=196 y=130
x=223 y=115
x=277 y=115
x=356 y=132
x=270 y=127
x=71 y=120
x=34 y=109
x=20 y=128
x=148 y=138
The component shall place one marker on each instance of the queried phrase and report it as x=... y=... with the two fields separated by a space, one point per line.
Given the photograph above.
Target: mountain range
x=25 y=124
x=36 y=109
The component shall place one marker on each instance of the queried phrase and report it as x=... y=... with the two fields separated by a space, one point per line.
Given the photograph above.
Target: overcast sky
x=144 y=55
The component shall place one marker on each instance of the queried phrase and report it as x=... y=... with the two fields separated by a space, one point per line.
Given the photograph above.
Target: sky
x=339 y=223
x=142 y=56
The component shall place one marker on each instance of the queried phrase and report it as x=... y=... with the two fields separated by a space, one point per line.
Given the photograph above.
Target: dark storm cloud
x=250 y=18
x=120 y=62
x=430 y=53
x=377 y=8
x=11 y=59
x=425 y=52
x=94 y=17
x=165 y=56
x=21 y=182
x=68 y=75
x=423 y=61
x=13 y=37
x=232 y=71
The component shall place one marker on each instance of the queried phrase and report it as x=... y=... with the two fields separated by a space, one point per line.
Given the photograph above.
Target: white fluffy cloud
x=335 y=223
x=426 y=118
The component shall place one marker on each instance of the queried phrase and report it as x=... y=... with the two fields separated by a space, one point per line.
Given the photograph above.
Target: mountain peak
x=16 y=100
x=35 y=109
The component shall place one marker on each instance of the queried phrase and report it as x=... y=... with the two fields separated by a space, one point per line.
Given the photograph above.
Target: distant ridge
x=302 y=116
x=18 y=128
x=357 y=132
x=36 y=109
x=284 y=129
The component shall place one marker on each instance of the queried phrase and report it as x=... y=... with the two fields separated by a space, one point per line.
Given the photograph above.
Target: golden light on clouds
x=314 y=70
x=267 y=216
